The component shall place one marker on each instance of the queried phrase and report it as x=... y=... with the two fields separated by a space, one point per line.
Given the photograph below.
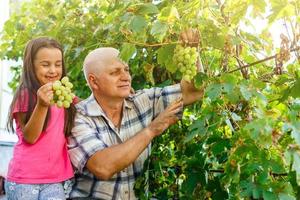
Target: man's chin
x=124 y=95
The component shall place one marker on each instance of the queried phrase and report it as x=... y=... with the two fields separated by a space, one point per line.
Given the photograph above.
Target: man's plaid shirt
x=93 y=131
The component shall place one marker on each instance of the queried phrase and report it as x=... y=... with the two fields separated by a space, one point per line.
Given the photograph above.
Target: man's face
x=114 y=80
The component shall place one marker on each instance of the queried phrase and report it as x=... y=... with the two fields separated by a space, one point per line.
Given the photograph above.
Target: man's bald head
x=97 y=59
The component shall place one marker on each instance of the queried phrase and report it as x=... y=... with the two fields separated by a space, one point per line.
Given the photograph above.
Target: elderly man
x=113 y=128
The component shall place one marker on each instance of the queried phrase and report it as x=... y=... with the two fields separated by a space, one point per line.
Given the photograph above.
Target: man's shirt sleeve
x=161 y=98
x=84 y=141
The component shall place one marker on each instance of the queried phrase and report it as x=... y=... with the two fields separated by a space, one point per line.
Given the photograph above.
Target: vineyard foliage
x=242 y=140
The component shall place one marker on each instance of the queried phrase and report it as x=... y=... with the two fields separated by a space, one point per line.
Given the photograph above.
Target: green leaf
x=127 y=51
x=263 y=177
x=200 y=79
x=269 y=195
x=198 y=127
x=164 y=57
x=147 y=8
x=256 y=192
x=138 y=24
x=285 y=197
x=229 y=78
x=214 y=91
x=247 y=188
x=296 y=166
x=295 y=89
x=159 y=30
x=281 y=8
x=220 y=146
x=259 y=6
x=245 y=92
x=296 y=135
x=169 y=13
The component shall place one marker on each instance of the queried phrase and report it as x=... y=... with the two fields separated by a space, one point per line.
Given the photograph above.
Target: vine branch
x=259 y=61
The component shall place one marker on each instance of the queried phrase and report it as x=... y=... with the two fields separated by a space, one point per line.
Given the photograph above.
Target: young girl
x=40 y=160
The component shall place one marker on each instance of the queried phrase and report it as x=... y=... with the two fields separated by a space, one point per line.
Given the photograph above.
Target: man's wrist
x=149 y=133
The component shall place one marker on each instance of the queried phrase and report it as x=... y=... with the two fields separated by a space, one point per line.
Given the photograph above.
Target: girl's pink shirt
x=45 y=161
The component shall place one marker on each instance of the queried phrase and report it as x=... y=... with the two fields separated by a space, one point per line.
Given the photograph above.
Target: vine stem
x=154 y=45
x=223 y=171
x=142 y=44
x=259 y=61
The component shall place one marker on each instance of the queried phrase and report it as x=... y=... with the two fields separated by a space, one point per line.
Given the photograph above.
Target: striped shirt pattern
x=93 y=131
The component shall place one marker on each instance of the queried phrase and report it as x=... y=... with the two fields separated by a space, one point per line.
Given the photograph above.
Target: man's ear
x=93 y=81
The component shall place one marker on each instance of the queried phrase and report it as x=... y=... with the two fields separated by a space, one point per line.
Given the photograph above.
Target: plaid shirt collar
x=90 y=106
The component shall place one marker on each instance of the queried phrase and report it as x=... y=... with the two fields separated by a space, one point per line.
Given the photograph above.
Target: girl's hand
x=45 y=95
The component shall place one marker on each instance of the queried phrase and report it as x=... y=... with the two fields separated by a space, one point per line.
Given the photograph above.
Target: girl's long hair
x=30 y=84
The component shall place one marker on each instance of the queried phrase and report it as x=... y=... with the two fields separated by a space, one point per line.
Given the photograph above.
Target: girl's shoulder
x=22 y=101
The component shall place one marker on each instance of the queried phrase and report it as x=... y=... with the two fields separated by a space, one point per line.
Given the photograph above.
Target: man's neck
x=112 y=108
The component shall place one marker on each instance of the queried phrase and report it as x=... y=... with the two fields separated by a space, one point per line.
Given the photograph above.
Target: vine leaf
x=295 y=91
x=245 y=92
x=214 y=91
x=159 y=30
x=200 y=79
x=127 y=52
x=138 y=24
x=147 y=8
x=164 y=57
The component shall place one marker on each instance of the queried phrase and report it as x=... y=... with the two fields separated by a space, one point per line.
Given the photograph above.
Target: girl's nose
x=52 y=68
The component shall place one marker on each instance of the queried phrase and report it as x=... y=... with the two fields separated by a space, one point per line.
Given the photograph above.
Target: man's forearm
x=105 y=163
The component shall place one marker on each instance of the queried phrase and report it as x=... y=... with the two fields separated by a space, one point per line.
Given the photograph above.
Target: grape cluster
x=63 y=95
x=185 y=58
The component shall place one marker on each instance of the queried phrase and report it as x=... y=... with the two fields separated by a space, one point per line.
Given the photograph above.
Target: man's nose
x=125 y=76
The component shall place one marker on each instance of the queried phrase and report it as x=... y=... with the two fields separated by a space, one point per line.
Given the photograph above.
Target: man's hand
x=165 y=118
x=190 y=37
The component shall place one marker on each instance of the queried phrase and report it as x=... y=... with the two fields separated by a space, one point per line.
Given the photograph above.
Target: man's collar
x=91 y=107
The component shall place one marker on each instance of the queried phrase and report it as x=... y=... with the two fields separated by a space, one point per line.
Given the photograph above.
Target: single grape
x=68 y=98
x=59 y=104
x=58 y=92
x=69 y=85
x=56 y=85
x=186 y=78
x=61 y=98
x=65 y=80
x=66 y=104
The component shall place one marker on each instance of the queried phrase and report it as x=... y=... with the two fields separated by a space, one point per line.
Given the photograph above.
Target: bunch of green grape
x=63 y=95
x=185 y=58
